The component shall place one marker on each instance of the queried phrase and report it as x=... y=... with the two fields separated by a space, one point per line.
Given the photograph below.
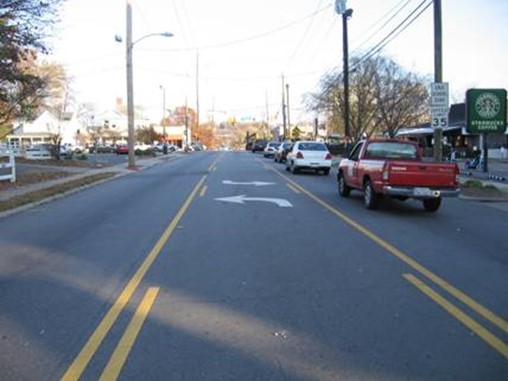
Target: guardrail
x=9 y=164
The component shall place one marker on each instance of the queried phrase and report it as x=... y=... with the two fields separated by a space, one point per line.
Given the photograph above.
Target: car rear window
x=312 y=146
x=391 y=150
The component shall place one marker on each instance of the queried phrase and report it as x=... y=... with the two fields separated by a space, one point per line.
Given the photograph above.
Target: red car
x=122 y=149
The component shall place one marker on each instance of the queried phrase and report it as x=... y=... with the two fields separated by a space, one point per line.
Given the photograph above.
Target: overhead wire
x=393 y=12
x=305 y=34
x=249 y=38
x=395 y=32
x=402 y=26
x=180 y=23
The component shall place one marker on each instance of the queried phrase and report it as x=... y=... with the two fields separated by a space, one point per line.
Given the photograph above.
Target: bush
x=146 y=152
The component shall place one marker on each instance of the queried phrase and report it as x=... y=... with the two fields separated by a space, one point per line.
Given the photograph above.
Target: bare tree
x=362 y=117
x=57 y=98
x=401 y=97
x=382 y=97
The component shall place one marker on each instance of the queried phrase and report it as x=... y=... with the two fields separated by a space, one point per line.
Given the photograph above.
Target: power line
x=395 y=32
x=249 y=38
x=393 y=15
x=388 y=38
x=305 y=34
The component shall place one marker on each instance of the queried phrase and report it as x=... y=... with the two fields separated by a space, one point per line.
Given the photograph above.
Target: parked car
x=270 y=149
x=282 y=151
x=395 y=169
x=259 y=145
x=122 y=149
x=142 y=147
x=309 y=155
x=101 y=149
x=159 y=147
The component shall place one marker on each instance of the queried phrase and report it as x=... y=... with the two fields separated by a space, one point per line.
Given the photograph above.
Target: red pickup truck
x=394 y=168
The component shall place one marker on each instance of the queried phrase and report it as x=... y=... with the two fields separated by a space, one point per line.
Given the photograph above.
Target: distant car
x=142 y=147
x=270 y=149
x=309 y=155
x=282 y=151
x=122 y=149
x=159 y=147
x=258 y=145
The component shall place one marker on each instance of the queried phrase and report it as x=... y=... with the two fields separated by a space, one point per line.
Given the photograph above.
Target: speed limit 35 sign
x=439 y=104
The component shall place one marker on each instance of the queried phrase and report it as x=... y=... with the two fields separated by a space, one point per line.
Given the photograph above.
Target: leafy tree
x=147 y=135
x=296 y=133
x=23 y=27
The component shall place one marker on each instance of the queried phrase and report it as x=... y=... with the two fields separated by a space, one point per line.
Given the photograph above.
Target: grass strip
x=41 y=194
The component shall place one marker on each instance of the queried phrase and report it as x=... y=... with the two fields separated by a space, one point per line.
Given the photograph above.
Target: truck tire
x=370 y=198
x=344 y=189
x=432 y=204
x=326 y=172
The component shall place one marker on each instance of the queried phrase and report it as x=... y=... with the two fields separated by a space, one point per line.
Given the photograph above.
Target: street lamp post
x=163 y=111
x=341 y=8
x=130 y=86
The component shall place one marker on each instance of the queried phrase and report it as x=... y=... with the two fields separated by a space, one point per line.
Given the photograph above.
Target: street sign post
x=439 y=104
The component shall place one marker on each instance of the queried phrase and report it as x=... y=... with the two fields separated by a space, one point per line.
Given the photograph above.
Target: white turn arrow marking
x=255 y=183
x=242 y=198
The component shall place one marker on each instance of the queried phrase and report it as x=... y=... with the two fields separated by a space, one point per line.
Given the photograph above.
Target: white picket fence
x=10 y=164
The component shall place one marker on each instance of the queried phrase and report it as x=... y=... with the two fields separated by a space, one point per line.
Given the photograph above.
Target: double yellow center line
x=113 y=368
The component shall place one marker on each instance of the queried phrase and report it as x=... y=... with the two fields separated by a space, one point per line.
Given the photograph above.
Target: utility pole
x=438 y=74
x=287 y=105
x=187 y=135
x=163 y=111
x=197 y=96
x=130 y=90
x=267 y=114
x=283 y=111
x=348 y=13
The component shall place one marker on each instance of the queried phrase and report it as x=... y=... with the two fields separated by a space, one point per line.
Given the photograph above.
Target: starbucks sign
x=486 y=110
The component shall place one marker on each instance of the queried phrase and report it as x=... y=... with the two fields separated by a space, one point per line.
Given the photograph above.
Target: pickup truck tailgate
x=422 y=174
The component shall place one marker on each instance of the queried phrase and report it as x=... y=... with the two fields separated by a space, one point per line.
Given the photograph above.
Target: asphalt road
x=162 y=275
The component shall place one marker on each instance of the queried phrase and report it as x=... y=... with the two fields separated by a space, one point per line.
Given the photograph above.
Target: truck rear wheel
x=432 y=204
x=370 y=198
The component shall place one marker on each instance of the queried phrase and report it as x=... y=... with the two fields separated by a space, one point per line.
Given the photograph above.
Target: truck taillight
x=299 y=155
x=385 y=174
x=328 y=156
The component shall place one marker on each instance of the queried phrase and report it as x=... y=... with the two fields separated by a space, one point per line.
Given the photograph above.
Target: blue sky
x=245 y=46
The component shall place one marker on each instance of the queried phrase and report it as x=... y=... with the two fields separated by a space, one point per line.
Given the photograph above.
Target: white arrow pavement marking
x=255 y=183
x=242 y=198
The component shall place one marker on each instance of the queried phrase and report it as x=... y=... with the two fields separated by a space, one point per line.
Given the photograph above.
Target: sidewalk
x=497 y=172
x=81 y=172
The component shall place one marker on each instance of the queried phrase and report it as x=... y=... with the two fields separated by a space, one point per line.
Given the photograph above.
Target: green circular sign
x=487 y=105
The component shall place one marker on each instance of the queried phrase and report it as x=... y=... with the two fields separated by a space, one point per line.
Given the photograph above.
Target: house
x=43 y=129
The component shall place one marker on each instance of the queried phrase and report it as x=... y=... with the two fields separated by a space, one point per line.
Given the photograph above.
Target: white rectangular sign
x=439 y=104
